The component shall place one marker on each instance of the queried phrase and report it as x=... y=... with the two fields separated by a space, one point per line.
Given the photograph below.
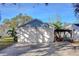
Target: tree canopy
x=17 y=20
x=76 y=9
x=57 y=24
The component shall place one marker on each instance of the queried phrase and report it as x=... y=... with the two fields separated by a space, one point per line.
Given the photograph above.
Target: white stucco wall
x=75 y=32
x=32 y=35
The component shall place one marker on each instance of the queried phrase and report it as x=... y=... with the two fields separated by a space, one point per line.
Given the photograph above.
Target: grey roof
x=34 y=23
x=76 y=24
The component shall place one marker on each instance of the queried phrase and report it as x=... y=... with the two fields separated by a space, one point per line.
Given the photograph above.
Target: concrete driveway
x=22 y=49
x=19 y=49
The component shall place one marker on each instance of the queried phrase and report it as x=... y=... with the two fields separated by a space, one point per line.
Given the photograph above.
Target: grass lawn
x=5 y=42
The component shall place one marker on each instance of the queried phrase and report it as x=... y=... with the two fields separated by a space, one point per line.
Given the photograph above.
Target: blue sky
x=64 y=10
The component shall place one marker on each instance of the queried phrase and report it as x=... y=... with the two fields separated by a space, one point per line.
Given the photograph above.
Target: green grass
x=5 y=42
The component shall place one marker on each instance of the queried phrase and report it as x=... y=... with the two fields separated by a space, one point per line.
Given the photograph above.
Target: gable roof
x=33 y=23
x=76 y=24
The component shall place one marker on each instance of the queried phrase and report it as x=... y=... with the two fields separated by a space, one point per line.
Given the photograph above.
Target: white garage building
x=36 y=32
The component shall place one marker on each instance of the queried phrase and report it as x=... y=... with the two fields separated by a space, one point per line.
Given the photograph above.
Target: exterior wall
x=32 y=35
x=76 y=32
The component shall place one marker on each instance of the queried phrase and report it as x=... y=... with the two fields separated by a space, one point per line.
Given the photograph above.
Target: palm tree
x=57 y=25
x=13 y=33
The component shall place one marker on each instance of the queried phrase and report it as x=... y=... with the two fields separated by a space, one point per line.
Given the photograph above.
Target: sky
x=64 y=11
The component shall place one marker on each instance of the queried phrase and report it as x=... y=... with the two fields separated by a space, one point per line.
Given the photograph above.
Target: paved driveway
x=19 y=49
x=22 y=49
x=15 y=50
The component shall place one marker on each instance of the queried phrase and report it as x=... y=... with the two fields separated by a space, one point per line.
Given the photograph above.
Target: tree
x=14 y=23
x=76 y=9
x=58 y=25
x=21 y=19
x=13 y=33
x=46 y=4
x=6 y=22
x=17 y=20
